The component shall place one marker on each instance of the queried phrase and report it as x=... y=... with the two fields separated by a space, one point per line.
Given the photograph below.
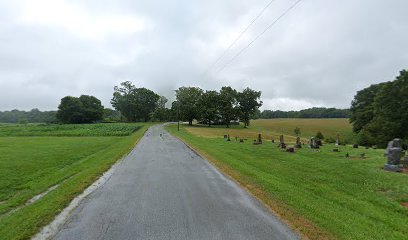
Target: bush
x=330 y=140
x=365 y=139
x=319 y=135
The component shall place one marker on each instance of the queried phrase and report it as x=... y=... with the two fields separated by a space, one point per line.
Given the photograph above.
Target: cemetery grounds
x=320 y=193
x=43 y=167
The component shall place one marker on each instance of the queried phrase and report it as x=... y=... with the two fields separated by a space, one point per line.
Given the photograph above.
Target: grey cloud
x=320 y=54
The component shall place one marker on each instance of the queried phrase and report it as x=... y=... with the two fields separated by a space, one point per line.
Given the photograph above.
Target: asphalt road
x=163 y=190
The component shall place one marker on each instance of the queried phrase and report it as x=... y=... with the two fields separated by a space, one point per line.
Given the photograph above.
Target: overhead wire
x=259 y=35
x=243 y=32
x=240 y=35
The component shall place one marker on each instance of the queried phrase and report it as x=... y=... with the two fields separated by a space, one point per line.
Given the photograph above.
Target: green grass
x=31 y=165
x=322 y=194
x=68 y=130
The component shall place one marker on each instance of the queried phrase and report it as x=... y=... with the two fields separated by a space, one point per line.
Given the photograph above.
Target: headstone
x=259 y=138
x=282 y=144
x=228 y=138
x=336 y=150
x=241 y=140
x=225 y=136
x=313 y=143
x=298 y=143
x=319 y=142
x=394 y=153
x=337 y=140
x=355 y=145
x=273 y=141
x=291 y=150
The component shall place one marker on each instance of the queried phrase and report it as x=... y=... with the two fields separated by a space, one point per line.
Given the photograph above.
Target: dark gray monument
x=282 y=142
x=394 y=153
x=259 y=138
x=298 y=143
x=314 y=143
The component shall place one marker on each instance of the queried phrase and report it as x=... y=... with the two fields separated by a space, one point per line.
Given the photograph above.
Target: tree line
x=32 y=116
x=315 y=112
x=379 y=112
x=216 y=107
x=192 y=103
x=136 y=104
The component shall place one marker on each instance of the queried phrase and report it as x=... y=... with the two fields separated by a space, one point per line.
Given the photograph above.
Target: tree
x=162 y=113
x=70 y=110
x=297 y=131
x=145 y=102
x=249 y=103
x=379 y=111
x=92 y=109
x=85 y=109
x=122 y=100
x=319 y=135
x=362 y=107
x=228 y=105
x=111 y=115
x=134 y=103
x=187 y=98
x=208 y=104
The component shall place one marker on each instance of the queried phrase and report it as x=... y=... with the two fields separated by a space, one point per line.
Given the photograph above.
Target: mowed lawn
x=30 y=165
x=273 y=128
x=322 y=194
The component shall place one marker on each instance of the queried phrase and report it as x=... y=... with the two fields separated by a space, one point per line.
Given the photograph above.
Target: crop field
x=68 y=130
x=32 y=162
x=273 y=128
x=320 y=193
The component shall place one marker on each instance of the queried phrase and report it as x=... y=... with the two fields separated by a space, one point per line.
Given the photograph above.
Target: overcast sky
x=319 y=54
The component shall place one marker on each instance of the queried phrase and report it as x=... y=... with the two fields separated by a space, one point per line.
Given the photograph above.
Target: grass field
x=273 y=128
x=31 y=165
x=323 y=195
x=68 y=130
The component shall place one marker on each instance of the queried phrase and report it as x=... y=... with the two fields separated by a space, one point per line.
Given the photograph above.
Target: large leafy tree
x=208 y=105
x=228 y=105
x=92 y=109
x=85 y=109
x=161 y=113
x=70 y=110
x=123 y=100
x=187 y=99
x=146 y=102
x=134 y=103
x=362 y=107
x=379 y=112
x=249 y=103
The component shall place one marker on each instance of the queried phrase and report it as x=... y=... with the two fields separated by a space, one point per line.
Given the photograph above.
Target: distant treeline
x=307 y=113
x=32 y=116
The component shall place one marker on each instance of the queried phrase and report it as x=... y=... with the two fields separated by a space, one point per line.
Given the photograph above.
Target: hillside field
x=273 y=128
x=35 y=158
x=320 y=193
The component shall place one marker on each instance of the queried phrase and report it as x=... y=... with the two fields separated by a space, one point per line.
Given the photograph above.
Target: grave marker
x=282 y=144
x=394 y=153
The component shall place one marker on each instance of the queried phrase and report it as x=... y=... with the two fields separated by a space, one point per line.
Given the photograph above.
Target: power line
x=240 y=35
x=259 y=35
